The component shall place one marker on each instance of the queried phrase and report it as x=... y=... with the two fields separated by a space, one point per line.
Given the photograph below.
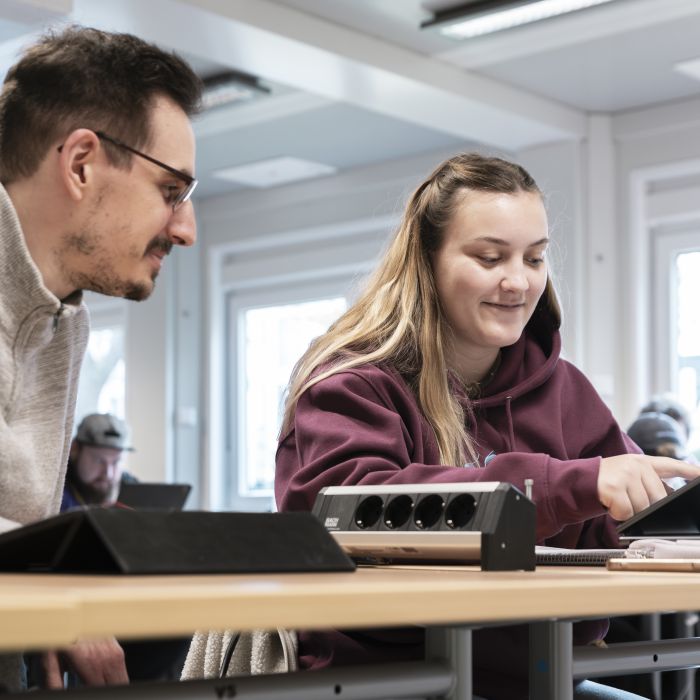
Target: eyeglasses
x=178 y=197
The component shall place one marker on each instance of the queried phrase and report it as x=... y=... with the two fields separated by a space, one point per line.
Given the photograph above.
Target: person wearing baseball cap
x=658 y=434
x=96 y=461
x=95 y=473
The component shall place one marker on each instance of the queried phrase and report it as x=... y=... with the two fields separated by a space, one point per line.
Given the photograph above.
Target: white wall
x=602 y=256
x=334 y=226
x=148 y=355
x=163 y=343
x=307 y=224
x=559 y=171
x=657 y=149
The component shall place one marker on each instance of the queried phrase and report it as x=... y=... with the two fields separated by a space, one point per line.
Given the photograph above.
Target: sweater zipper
x=56 y=316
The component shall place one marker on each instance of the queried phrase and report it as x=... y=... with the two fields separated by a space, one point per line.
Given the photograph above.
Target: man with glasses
x=96 y=168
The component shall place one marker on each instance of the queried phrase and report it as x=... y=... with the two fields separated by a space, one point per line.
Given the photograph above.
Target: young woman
x=447 y=370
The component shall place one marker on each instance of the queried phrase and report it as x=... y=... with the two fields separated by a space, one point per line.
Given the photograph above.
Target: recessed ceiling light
x=274 y=171
x=489 y=16
x=690 y=68
x=231 y=86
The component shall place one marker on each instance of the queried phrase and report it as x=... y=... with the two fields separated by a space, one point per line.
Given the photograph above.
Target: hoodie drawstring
x=511 y=430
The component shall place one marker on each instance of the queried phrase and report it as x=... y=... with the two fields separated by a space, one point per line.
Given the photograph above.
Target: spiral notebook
x=557 y=556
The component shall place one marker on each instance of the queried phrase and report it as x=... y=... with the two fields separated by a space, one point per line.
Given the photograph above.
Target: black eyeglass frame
x=190 y=182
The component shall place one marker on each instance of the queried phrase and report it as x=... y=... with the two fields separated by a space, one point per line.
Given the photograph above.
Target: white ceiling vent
x=274 y=171
x=690 y=68
x=229 y=86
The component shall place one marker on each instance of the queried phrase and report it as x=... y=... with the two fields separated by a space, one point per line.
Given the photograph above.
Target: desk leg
x=453 y=645
x=683 y=628
x=651 y=629
x=551 y=661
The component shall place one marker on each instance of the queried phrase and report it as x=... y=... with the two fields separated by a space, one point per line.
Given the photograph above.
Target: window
x=678 y=323
x=268 y=333
x=687 y=336
x=101 y=388
x=274 y=338
x=270 y=296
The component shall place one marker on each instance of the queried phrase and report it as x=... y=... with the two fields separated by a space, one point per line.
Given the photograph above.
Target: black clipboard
x=676 y=516
x=122 y=541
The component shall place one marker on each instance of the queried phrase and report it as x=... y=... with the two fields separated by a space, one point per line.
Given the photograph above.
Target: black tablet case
x=677 y=515
x=119 y=541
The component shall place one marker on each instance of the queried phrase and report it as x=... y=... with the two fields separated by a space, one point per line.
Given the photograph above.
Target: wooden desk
x=42 y=610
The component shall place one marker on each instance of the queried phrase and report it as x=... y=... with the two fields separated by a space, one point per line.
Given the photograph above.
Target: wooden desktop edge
x=40 y=610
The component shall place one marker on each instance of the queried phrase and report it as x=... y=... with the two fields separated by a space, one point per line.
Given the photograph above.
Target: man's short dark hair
x=83 y=77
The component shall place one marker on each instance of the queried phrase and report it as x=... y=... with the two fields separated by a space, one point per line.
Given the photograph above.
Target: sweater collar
x=24 y=291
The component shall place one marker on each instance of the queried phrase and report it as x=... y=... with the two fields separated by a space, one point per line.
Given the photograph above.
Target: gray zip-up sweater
x=42 y=343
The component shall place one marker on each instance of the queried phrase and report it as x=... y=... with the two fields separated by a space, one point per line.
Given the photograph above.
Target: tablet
x=153 y=496
x=676 y=516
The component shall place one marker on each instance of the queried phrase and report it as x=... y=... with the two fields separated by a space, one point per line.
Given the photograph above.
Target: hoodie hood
x=525 y=366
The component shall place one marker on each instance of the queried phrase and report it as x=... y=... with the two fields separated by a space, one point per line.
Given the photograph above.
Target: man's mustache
x=160 y=245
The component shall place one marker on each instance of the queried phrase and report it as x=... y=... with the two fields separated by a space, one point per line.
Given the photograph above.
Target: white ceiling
x=606 y=59
x=356 y=82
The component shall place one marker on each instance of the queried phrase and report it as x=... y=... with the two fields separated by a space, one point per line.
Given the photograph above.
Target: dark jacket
x=71 y=493
x=539 y=418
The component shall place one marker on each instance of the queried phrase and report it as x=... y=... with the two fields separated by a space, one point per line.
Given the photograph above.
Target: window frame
x=667 y=246
x=237 y=302
x=261 y=263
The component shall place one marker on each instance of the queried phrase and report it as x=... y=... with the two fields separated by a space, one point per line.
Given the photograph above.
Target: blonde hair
x=398 y=320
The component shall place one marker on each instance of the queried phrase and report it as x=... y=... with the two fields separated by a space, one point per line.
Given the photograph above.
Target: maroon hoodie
x=539 y=418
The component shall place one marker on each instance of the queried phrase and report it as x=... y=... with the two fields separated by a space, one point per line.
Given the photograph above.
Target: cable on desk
x=230 y=648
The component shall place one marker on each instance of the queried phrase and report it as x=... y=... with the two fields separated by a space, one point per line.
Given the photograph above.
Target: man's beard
x=113 y=287
x=95 y=495
x=103 y=279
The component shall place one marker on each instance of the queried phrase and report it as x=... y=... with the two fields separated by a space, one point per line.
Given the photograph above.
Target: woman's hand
x=630 y=483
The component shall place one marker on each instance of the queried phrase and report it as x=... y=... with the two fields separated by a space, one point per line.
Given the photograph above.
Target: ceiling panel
x=373 y=86
x=338 y=135
x=628 y=70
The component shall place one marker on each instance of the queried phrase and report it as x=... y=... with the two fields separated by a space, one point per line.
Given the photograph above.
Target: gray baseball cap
x=652 y=428
x=104 y=430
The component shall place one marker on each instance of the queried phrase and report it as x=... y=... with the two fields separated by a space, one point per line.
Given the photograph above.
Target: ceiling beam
x=284 y=45
x=34 y=11
x=26 y=18
x=240 y=115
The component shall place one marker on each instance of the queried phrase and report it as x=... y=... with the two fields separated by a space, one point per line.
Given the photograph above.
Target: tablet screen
x=676 y=515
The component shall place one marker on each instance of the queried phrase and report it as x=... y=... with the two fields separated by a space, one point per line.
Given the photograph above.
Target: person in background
x=97 y=159
x=659 y=434
x=668 y=404
x=95 y=474
x=96 y=462
x=447 y=369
